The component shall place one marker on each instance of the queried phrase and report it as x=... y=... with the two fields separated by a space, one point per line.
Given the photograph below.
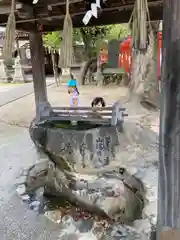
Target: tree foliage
x=91 y=37
x=118 y=31
x=52 y=40
x=94 y=34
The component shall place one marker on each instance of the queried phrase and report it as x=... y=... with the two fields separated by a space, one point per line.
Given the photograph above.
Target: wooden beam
x=5 y=9
x=169 y=147
x=104 y=19
x=27 y=27
x=107 y=17
x=64 y=3
x=152 y=6
x=56 y=2
x=38 y=70
x=120 y=8
x=53 y=22
x=37 y=58
x=24 y=10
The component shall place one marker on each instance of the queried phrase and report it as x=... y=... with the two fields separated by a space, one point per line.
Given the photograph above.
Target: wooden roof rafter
x=19 y=35
x=50 y=13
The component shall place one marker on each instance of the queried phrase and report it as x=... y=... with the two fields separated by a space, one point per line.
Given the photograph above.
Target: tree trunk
x=85 y=68
x=169 y=157
x=87 y=45
x=43 y=107
x=55 y=70
x=99 y=77
x=144 y=82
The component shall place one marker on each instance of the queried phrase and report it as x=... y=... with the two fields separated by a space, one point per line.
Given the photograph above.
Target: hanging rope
x=10 y=33
x=144 y=82
x=66 y=51
x=139 y=19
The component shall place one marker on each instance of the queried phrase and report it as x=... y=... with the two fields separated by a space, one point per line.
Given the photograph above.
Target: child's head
x=98 y=102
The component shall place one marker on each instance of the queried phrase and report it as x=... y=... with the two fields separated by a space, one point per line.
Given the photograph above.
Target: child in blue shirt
x=73 y=91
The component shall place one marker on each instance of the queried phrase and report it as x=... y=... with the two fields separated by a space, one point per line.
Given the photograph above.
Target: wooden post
x=38 y=70
x=55 y=68
x=168 y=226
x=115 y=114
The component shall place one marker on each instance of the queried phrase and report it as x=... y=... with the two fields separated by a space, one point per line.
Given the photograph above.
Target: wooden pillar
x=168 y=227
x=38 y=71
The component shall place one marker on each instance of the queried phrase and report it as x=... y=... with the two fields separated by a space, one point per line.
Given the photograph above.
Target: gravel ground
x=16 y=220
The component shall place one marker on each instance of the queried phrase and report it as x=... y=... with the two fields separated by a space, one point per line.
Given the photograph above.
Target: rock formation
x=79 y=170
x=86 y=170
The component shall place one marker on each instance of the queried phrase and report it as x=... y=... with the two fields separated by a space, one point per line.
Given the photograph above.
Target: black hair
x=76 y=89
x=98 y=100
x=71 y=76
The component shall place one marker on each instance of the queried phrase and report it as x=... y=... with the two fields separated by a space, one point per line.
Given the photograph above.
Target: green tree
x=52 y=40
x=91 y=37
x=118 y=31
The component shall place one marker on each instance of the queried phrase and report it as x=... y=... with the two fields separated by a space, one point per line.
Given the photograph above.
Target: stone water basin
x=83 y=145
x=83 y=183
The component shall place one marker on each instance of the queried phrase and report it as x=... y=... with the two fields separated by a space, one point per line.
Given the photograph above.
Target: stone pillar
x=39 y=79
x=3 y=75
x=18 y=71
x=169 y=153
